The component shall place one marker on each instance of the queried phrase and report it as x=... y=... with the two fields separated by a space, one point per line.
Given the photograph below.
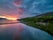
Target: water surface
x=11 y=31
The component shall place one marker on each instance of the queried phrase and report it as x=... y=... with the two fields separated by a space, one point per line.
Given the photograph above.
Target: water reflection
x=19 y=31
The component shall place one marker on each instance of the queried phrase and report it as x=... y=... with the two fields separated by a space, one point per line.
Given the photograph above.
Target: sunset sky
x=24 y=8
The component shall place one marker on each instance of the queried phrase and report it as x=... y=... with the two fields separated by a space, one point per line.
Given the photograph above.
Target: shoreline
x=38 y=28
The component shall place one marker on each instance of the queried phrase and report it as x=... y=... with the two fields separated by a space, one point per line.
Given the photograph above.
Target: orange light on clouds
x=12 y=18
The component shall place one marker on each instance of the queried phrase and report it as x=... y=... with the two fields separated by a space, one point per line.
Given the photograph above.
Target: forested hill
x=43 y=21
x=46 y=14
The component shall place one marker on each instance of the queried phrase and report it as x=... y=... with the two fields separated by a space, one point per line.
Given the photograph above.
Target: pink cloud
x=11 y=14
x=17 y=2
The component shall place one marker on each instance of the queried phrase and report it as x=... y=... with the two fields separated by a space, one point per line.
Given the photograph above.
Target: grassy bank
x=43 y=22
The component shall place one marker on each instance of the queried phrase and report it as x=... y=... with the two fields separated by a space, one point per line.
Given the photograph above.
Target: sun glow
x=2 y=17
x=8 y=17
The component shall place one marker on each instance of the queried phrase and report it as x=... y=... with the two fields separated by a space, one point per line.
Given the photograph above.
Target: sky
x=24 y=8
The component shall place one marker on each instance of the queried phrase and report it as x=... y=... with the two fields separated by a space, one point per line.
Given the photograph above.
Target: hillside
x=46 y=14
x=43 y=22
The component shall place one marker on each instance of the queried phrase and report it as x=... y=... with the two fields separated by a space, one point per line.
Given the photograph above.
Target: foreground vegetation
x=43 y=22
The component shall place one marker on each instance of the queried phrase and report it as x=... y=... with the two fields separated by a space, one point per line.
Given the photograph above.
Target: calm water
x=22 y=31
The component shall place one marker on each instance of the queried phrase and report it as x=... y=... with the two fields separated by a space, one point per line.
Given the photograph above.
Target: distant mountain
x=45 y=14
x=3 y=19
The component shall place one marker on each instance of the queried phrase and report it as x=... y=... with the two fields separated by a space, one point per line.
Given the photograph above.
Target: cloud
x=25 y=7
x=8 y=8
x=36 y=6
